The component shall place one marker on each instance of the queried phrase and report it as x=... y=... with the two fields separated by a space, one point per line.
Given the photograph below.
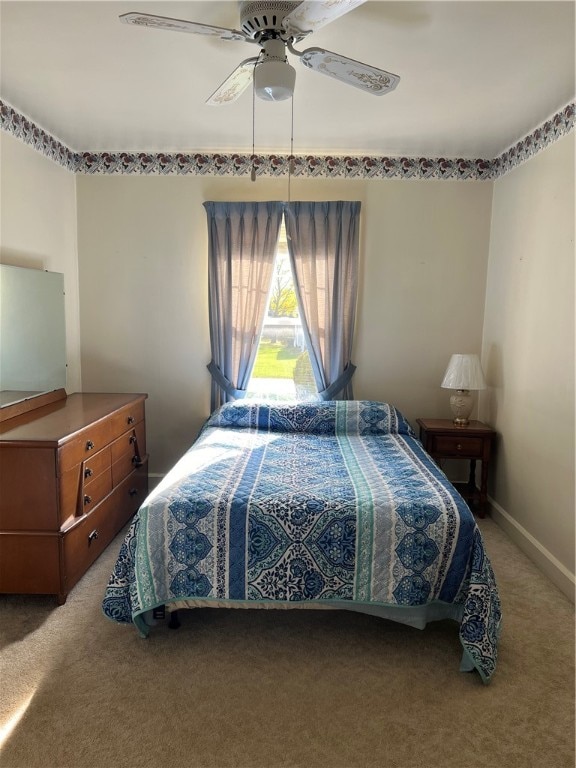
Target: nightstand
x=442 y=439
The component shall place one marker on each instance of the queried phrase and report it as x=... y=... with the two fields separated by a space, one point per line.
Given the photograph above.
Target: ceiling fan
x=275 y=25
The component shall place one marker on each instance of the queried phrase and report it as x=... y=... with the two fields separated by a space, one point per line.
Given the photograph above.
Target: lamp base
x=461 y=403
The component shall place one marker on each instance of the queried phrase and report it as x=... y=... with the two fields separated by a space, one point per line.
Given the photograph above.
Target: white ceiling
x=475 y=78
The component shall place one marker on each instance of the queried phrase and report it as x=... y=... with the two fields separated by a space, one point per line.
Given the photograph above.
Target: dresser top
x=61 y=419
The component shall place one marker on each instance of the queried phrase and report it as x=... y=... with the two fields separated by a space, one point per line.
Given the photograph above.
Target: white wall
x=144 y=298
x=528 y=351
x=422 y=288
x=38 y=229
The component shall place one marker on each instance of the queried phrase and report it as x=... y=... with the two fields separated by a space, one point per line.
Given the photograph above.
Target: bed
x=314 y=505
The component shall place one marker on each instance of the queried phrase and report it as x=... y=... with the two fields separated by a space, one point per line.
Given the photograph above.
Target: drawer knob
x=89 y=445
x=88 y=472
x=133 y=491
x=459 y=447
x=92 y=535
x=87 y=499
x=130 y=419
x=132 y=439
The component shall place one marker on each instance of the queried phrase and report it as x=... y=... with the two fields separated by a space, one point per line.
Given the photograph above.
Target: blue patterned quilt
x=335 y=503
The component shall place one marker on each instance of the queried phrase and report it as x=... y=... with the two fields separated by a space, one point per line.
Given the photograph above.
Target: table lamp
x=464 y=373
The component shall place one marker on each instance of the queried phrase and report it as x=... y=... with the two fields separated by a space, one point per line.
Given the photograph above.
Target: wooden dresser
x=72 y=472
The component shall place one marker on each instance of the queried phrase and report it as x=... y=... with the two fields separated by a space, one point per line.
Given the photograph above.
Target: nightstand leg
x=483 y=488
x=472 y=476
x=476 y=495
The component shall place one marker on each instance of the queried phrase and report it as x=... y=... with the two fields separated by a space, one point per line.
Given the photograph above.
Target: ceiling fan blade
x=310 y=15
x=234 y=85
x=368 y=78
x=180 y=25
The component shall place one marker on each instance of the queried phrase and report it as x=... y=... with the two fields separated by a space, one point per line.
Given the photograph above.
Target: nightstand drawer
x=446 y=445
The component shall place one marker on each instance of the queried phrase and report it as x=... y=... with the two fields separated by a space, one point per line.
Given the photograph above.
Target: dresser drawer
x=74 y=481
x=128 y=452
x=131 y=493
x=85 y=444
x=97 y=489
x=471 y=447
x=86 y=541
x=132 y=442
x=127 y=417
x=123 y=467
x=96 y=464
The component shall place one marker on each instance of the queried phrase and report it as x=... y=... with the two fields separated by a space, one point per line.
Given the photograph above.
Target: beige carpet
x=263 y=688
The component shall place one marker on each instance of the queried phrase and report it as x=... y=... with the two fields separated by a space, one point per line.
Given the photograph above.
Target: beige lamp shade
x=464 y=372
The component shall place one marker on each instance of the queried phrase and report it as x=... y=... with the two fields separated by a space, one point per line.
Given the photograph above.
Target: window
x=243 y=244
x=282 y=370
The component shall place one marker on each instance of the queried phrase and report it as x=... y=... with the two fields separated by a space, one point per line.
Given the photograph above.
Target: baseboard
x=154 y=479
x=540 y=556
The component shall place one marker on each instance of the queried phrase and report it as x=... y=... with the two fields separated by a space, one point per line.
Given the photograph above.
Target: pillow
x=330 y=417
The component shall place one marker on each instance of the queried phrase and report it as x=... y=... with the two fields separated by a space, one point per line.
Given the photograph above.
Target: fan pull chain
x=291 y=164
x=253 y=171
x=291 y=157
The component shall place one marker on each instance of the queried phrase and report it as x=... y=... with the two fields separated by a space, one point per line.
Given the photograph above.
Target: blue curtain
x=242 y=241
x=323 y=246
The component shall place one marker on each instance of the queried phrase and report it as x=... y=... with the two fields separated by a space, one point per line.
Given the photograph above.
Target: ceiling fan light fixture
x=274 y=26
x=274 y=80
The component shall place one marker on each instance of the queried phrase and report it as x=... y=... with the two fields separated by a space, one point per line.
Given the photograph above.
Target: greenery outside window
x=282 y=370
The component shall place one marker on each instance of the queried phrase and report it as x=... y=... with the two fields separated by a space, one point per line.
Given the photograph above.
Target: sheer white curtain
x=323 y=246
x=242 y=241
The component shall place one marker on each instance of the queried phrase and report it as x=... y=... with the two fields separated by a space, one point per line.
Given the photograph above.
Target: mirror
x=32 y=333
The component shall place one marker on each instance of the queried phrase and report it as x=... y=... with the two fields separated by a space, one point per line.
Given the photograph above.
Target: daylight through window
x=282 y=370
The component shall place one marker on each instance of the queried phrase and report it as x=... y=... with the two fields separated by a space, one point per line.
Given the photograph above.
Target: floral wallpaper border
x=324 y=166
x=16 y=124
